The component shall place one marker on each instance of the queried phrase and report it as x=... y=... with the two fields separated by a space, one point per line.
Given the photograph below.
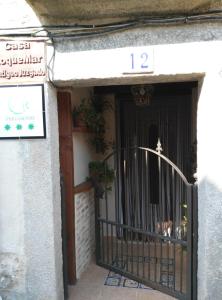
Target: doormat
x=114 y=279
x=166 y=272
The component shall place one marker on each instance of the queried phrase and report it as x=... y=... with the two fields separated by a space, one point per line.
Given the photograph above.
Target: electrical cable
x=87 y=30
x=160 y=18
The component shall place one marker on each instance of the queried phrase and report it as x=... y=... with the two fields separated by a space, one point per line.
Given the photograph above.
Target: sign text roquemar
x=22 y=62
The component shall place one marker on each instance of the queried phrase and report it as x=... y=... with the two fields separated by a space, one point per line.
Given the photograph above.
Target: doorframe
x=67 y=169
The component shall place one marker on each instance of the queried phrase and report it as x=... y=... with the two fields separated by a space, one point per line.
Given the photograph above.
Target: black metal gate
x=144 y=222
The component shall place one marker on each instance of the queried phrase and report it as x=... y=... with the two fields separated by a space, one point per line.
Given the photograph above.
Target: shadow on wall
x=11 y=275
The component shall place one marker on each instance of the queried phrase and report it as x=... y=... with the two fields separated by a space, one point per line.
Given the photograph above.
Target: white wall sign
x=22 y=61
x=22 y=112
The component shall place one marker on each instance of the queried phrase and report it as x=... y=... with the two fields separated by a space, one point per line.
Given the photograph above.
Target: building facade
x=185 y=41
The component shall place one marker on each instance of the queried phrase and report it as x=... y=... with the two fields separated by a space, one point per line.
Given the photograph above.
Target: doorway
x=141 y=230
x=149 y=238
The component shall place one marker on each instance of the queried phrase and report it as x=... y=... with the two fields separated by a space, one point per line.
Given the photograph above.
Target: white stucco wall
x=30 y=216
x=12 y=252
x=42 y=209
x=17 y=13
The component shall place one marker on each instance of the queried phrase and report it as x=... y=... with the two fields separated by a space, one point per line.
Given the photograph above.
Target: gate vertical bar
x=97 y=226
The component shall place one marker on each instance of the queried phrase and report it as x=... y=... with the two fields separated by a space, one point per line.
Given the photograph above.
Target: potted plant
x=102 y=176
x=91 y=112
x=78 y=118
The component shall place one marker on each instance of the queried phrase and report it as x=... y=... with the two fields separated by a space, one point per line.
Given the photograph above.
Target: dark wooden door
x=67 y=170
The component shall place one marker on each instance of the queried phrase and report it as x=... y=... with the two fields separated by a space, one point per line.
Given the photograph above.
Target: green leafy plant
x=92 y=111
x=101 y=173
x=77 y=118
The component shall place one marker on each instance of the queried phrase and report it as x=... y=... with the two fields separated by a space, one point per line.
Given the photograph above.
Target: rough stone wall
x=145 y=36
x=75 y=11
x=85 y=230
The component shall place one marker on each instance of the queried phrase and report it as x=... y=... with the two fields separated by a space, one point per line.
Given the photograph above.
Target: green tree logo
x=18 y=126
x=7 y=127
x=31 y=126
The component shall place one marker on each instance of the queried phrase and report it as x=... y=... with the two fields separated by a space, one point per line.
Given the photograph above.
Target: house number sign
x=140 y=60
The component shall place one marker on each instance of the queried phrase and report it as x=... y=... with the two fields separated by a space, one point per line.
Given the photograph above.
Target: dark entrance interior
x=149 y=238
x=167 y=120
x=167 y=117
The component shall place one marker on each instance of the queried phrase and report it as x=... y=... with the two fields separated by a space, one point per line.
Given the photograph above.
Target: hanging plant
x=91 y=111
x=102 y=172
x=101 y=175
